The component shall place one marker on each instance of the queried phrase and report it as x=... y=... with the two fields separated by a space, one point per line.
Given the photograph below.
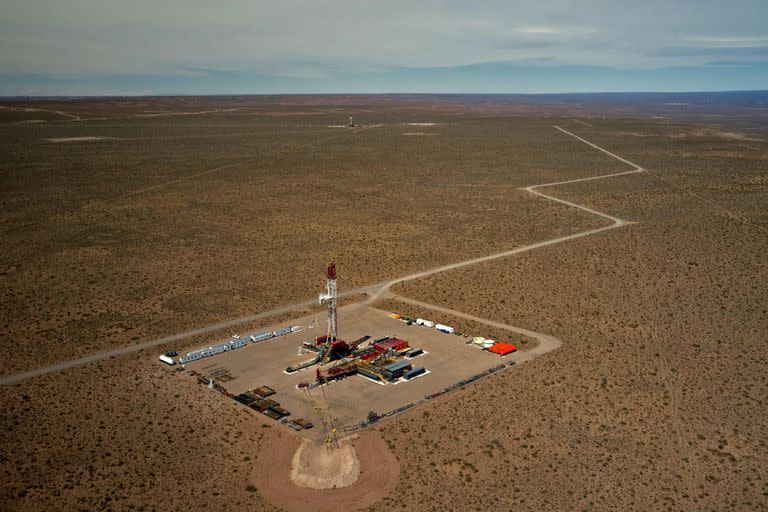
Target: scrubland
x=656 y=401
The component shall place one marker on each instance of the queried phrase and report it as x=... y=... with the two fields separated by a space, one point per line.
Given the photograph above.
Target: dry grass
x=126 y=435
x=112 y=243
x=656 y=401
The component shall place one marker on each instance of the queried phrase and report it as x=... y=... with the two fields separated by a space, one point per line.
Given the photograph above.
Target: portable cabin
x=414 y=352
x=365 y=353
x=414 y=372
x=390 y=344
x=394 y=371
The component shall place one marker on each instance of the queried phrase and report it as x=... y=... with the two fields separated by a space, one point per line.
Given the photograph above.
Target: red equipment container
x=391 y=343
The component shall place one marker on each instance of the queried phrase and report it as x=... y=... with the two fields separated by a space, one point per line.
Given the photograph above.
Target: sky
x=142 y=47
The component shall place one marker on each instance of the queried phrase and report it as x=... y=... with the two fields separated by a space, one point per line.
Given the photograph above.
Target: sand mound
x=325 y=467
x=378 y=472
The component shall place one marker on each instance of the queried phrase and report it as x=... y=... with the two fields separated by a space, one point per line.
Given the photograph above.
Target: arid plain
x=128 y=220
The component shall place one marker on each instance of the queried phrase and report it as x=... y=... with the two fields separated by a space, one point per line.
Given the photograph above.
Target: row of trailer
x=490 y=345
x=447 y=329
x=236 y=342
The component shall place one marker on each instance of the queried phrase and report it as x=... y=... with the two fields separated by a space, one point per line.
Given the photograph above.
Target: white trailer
x=167 y=360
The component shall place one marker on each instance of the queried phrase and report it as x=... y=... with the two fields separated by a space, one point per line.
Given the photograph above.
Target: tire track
x=690 y=472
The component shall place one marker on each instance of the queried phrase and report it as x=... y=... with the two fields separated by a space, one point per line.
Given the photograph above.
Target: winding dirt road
x=379 y=290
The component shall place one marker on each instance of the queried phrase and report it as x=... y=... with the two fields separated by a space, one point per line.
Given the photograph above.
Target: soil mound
x=318 y=466
x=379 y=473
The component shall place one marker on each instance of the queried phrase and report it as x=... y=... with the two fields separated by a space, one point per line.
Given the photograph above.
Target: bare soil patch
x=379 y=474
x=80 y=139
x=713 y=132
x=447 y=357
x=325 y=465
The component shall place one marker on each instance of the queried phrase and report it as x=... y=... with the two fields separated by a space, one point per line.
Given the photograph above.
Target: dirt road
x=378 y=290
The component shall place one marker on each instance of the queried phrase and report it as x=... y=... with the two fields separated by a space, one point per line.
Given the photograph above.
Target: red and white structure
x=330 y=298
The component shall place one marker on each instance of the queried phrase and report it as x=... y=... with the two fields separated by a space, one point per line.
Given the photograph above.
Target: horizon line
x=192 y=95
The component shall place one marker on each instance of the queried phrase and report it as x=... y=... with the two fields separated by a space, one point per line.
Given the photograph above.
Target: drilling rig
x=328 y=347
x=330 y=298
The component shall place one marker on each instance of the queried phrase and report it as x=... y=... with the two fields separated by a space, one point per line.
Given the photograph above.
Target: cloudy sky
x=90 y=47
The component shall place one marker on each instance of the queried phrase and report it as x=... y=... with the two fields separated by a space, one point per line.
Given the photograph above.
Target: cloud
x=711 y=51
x=726 y=41
x=539 y=30
x=744 y=64
x=517 y=44
x=319 y=40
x=488 y=77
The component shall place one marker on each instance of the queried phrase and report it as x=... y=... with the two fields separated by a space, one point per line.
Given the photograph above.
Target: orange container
x=502 y=348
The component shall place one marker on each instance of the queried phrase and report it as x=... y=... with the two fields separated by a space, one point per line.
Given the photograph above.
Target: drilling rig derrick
x=330 y=298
